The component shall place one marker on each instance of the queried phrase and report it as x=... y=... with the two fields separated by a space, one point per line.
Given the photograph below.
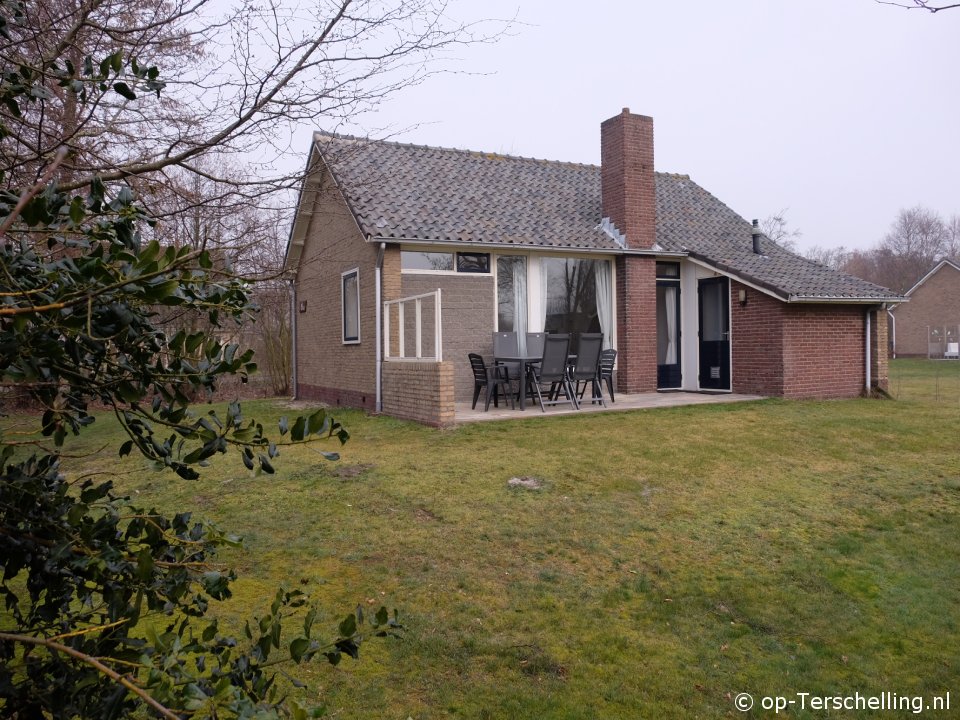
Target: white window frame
x=424 y=271
x=343 y=306
x=534 y=284
x=444 y=251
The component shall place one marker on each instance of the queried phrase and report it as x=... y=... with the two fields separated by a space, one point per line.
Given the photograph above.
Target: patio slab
x=638 y=401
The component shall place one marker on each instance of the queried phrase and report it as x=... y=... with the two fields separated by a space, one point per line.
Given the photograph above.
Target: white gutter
x=869 y=382
x=379 y=320
x=293 y=334
x=840 y=299
x=893 y=324
x=475 y=246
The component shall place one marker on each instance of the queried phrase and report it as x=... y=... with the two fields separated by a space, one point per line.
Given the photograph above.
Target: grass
x=673 y=558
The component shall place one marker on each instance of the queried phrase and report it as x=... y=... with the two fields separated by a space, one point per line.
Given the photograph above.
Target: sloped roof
x=935 y=269
x=408 y=192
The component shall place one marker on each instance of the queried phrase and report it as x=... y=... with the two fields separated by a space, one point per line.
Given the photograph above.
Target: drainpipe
x=293 y=334
x=379 y=320
x=867 y=354
x=893 y=333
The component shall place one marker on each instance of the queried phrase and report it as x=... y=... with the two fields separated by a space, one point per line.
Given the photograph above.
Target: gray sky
x=841 y=111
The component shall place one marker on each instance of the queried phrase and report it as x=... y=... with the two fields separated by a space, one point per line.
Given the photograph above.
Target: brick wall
x=627 y=182
x=327 y=369
x=421 y=391
x=468 y=319
x=756 y=331
x=801 y=350
x=636 y=324
x=337 y=397
x=935 y=303
x=823 y=351
x=879 y=350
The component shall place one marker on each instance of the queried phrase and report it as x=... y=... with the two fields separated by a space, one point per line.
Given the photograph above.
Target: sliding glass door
x=512 y=293
x=555 y=295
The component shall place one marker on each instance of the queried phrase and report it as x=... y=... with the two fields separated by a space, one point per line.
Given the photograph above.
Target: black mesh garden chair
x=506 y=344
x=552 y=373
x=491 y=378
x=608 y=358
x=535 y=343
x=587 y=369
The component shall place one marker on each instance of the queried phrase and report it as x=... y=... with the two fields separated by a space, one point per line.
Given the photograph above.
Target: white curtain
x=520 y=302
x=604 y=290
x=543 y=297
x=670 y=303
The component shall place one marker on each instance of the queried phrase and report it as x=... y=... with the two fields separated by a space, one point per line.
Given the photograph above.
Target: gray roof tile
x=403 y=191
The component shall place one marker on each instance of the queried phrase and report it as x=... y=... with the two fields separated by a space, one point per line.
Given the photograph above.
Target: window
x=571 y=295
x=413 y=260
x=668 y=270
x=473 y=262
x=350 y=302
x=512 y=293
x=555 y=295
x=461 y=262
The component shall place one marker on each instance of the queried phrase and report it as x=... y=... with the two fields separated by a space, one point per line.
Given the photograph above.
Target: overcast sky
x=840 y=111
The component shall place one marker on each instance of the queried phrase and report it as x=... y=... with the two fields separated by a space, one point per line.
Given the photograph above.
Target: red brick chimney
x=627 y=184
x=628 y=197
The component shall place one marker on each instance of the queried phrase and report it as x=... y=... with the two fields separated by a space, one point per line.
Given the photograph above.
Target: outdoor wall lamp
x=743 y=296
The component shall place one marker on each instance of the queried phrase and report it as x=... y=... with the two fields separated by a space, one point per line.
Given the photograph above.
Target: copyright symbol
x=743 y=702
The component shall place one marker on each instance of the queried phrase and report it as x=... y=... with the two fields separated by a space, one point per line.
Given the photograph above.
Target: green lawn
x=673 y=558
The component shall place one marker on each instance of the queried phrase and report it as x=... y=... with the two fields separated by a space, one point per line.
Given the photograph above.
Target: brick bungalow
x=691 y=295
x=929 y=325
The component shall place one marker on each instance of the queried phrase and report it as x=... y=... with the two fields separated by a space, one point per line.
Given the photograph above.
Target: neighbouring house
x=929 y=325
x=389 y=237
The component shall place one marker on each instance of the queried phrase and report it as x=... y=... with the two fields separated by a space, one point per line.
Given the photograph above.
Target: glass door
x=668 y=334
x=714 y=295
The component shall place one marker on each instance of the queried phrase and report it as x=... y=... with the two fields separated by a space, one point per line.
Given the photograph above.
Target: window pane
x=668 y=270
x=571 y=295
x=473 y=262
x=712 y=319
x=351 y=308
x=511 y=292
x=410 y=260
x=667 y=308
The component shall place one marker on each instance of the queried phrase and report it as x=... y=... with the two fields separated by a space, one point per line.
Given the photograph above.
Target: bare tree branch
x=920 y=5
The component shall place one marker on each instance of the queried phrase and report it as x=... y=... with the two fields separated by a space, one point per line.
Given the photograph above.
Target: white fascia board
x=309 y=192
x=742 y=281
x=306 y=197
x=800 y=299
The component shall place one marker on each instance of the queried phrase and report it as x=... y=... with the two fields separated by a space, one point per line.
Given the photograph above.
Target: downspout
x=867 y=354
x=293 y=334
x=893 y=334
x=379 y=320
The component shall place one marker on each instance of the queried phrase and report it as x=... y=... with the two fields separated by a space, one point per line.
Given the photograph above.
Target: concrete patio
x=639 y=401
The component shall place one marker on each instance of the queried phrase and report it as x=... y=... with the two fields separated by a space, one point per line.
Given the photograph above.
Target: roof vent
x=756 y=237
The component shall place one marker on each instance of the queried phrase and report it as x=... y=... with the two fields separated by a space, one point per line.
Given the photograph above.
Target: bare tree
x=836 y=258
x=916 y=240
x=952 y=247
x=204 y=143
x=778 y=229
x=235 y=81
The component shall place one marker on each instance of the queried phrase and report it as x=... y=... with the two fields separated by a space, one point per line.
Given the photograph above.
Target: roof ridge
x=482 y=153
